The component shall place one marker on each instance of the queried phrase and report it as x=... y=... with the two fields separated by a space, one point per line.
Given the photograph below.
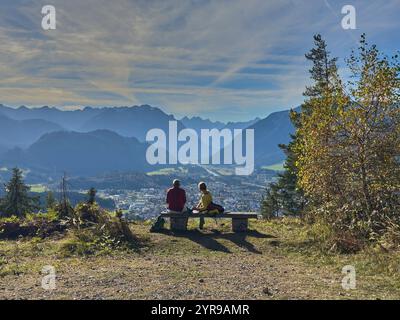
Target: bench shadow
x=240 y=238
x=199 y=238
x=209 y=240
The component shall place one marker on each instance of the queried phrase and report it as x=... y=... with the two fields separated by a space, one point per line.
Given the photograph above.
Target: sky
x=227 y=60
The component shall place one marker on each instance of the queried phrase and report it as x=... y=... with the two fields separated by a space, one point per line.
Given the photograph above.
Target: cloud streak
x=188 y=57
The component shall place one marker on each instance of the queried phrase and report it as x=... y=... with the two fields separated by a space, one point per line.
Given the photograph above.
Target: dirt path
x=155 y=277
x=192 y=266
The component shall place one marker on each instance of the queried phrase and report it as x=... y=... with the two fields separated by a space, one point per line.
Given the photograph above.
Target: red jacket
x=176 y=199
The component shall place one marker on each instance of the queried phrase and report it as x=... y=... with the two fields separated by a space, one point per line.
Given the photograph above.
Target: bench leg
x=239 y=225
x=178 y=224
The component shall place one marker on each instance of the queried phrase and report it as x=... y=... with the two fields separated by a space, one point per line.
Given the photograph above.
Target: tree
x=324 y=69
x=51 y=201
x=91 y=196
x=316 y=169
x=64 y=207
x=348 y=142
x=270 y=206
x=284 y=197
x=370 y=125
x=17 y=200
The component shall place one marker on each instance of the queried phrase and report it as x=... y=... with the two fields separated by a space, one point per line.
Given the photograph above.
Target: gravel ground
x=198 y=265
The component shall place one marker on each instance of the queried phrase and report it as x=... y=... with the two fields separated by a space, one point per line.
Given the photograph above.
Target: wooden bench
x=240 y=220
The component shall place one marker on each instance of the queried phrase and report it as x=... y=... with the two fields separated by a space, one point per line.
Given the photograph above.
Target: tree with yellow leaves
x=348 y=142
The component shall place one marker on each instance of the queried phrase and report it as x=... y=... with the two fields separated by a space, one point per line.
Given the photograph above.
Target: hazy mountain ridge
x=242 y=124
x=198 y=123
x=269 y=133
x=71 y=120
x=131 y=121
x=111 y=139
x=22 y=133
x=82 y=153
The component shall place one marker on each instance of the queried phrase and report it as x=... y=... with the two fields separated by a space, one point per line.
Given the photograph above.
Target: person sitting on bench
x=204 y=203
x=176 y=197
x=176 y=200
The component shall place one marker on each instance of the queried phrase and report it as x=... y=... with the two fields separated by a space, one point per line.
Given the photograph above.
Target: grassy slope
x=277 y=260
x=275 y=167
x=38 y=188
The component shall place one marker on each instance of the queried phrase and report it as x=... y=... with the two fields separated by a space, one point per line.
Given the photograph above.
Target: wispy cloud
x=225 y=59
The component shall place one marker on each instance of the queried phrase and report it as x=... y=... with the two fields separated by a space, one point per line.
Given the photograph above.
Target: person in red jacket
x=176 y=200
x=176 y=197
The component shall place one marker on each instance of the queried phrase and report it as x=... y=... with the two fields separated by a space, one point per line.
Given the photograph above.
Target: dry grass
x=277 y=260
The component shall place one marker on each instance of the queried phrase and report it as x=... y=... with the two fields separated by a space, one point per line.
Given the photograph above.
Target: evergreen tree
x=17 y=200
x=91 y=196
x=51 y=201
x=270 y=206
x=315 y=136
x=324 y=69
x=286 y=197
x=64 y=208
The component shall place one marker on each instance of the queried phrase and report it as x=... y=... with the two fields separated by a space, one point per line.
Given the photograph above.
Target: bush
x=51 y=216
x=347 y=242
x=41 y=225
x=391 y=238
x=331 y=238
x=95 y=231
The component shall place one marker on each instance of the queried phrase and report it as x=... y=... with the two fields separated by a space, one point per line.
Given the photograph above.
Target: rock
x=267 y=292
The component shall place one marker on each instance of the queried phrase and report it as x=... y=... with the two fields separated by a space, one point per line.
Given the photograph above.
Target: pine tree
x=64 y=208
x=316 y=170
x=286 y=197
x=17 y=201
x=91 y=196
x=51 y=202
x=270 y=206
x=324 y=68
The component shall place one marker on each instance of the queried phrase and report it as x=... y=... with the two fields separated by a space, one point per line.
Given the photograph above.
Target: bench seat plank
x=230 y=215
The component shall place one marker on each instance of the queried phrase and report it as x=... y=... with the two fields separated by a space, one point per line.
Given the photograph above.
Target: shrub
x=96 y=231
x=391 y=238
x=41 y=225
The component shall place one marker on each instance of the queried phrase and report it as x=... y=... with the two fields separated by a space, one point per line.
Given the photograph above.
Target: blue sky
x=224 y=60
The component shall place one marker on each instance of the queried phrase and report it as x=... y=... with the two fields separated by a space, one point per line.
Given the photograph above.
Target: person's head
x=176 y=183
x=202 y=186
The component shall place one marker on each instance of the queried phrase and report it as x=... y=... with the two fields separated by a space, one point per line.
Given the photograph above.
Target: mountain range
x=89 y=153
x=22 y=133
x=269 y=133
x=70 y=120
x=98 y=140
x=198 y=123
